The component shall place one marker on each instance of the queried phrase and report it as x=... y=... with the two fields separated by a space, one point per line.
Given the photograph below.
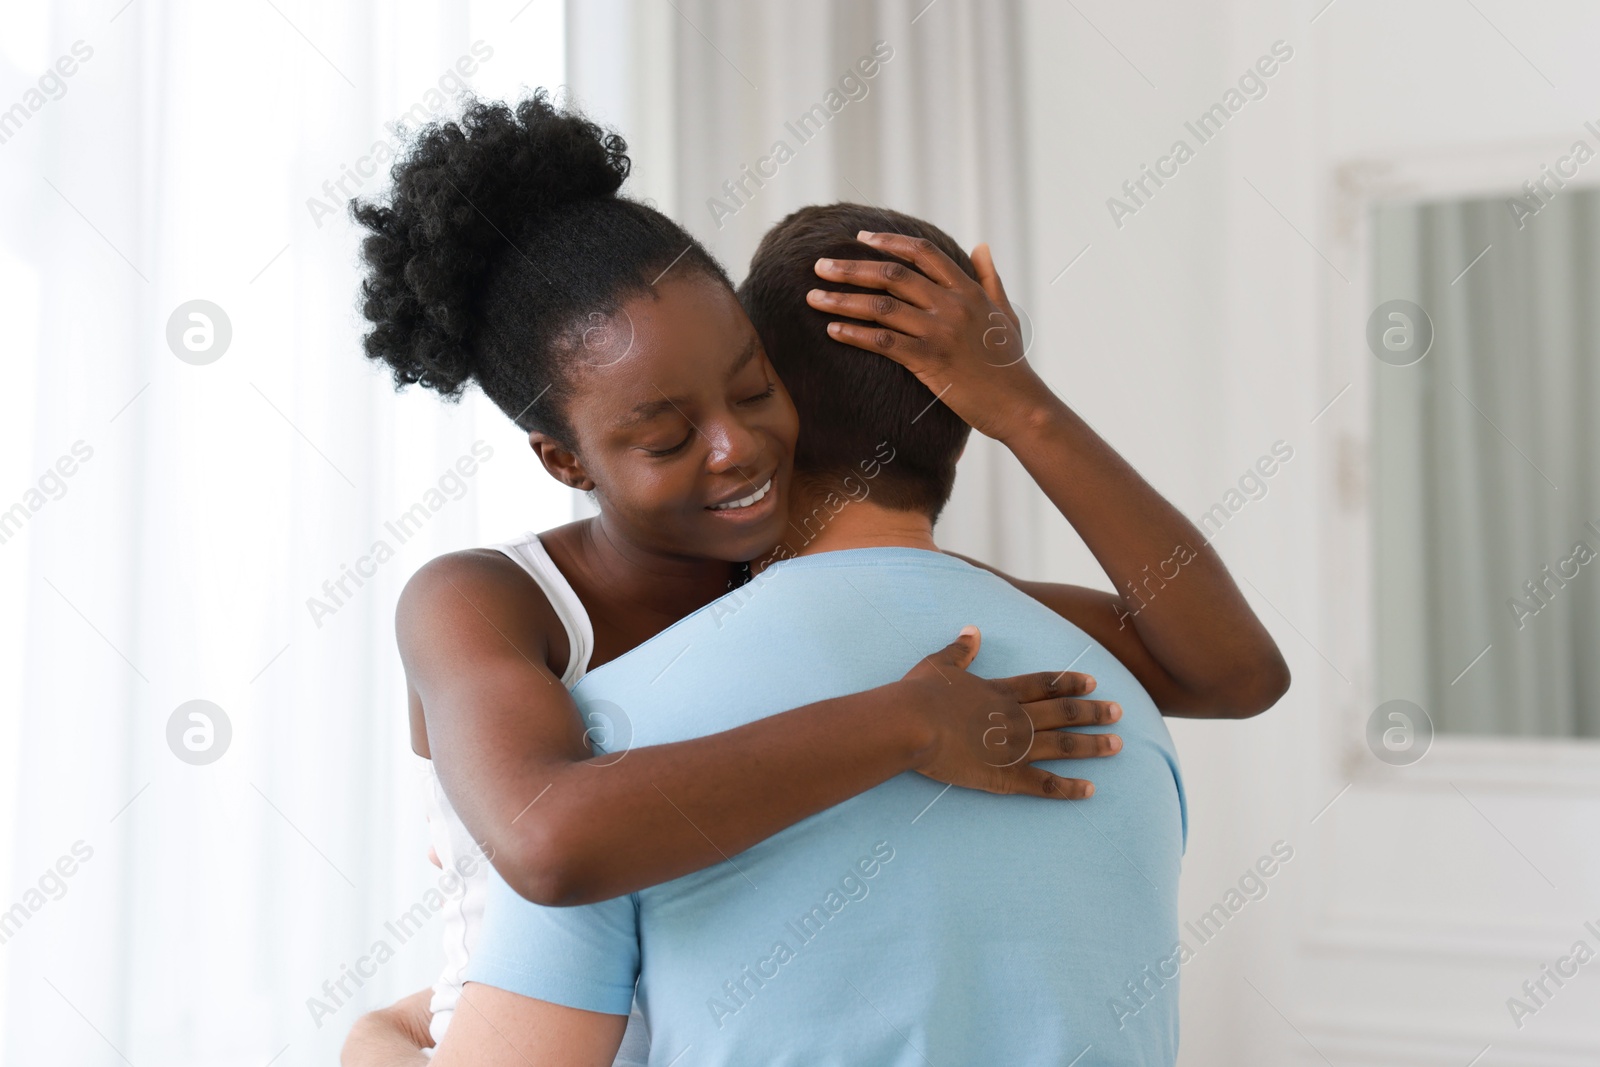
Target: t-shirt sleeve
x=583 y=957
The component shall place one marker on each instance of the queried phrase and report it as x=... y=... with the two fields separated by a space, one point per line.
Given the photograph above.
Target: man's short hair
x=851 y=401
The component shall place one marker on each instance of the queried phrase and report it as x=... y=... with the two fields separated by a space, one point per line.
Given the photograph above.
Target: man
x=909 y=924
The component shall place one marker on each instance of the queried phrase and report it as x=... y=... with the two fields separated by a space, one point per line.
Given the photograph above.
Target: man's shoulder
x=820 y=590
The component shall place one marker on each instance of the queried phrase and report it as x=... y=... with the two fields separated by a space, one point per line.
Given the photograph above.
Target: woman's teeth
x=744 y=502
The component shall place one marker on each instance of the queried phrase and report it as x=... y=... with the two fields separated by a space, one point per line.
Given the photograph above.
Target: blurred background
x=1323 y=271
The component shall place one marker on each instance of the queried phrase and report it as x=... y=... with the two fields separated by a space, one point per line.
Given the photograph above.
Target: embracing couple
x=707 y=739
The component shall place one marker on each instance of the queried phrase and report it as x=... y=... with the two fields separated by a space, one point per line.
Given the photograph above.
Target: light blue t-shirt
x=911 y=924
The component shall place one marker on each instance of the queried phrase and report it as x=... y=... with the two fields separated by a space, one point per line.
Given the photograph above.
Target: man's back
x=910 y=924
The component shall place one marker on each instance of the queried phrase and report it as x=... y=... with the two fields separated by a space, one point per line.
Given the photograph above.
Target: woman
x=504 y=257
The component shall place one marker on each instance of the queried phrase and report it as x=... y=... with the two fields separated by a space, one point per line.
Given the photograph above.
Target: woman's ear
x=560 y=461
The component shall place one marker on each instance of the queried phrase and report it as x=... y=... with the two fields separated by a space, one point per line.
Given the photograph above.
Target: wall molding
x=1522 y=946
x=1526 y=765
x=1393 y=1043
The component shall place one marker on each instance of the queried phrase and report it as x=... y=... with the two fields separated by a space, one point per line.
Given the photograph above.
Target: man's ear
x=563 y=465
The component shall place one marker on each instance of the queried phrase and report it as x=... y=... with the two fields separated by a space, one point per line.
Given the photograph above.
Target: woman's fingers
x=989 y=278
x=881 y=308
x=896 y=278
x=1045 y=685
x=1034 y=782
x=903 y=348
x=961 y=652
x=920 y=253
x=1064 y=744
x=1070 y=711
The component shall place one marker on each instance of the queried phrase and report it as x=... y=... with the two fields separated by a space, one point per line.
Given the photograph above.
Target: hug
x=765 y=776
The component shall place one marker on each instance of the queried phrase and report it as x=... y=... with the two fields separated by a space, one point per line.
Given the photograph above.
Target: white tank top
x=463 y=914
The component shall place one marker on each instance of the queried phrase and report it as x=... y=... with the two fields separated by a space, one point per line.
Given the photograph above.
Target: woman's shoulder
x=514 y=592
x=491 y=568
x=476 y=584
x=474 y=566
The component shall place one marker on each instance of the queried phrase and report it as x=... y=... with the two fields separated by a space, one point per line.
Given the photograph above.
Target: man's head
x=851 y=401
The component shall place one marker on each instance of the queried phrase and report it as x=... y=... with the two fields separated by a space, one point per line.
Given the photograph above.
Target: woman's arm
x=391 y=1037
x=564 y=827
x=1104 y=617
x=1183 y=628
x=495 y=1028
x=491 y=1027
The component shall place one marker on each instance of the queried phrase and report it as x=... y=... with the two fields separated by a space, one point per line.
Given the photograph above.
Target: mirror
x=1485 y=461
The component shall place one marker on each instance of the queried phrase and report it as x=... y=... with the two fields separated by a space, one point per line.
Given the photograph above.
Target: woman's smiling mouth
x=745 y=501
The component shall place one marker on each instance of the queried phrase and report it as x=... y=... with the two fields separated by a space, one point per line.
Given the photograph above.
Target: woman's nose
x=733 y=446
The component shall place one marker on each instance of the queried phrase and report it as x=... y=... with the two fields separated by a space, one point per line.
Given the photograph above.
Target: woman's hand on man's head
x=961 y=337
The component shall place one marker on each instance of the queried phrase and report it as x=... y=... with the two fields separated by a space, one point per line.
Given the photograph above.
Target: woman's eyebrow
x=650 y=409
x=744 y=358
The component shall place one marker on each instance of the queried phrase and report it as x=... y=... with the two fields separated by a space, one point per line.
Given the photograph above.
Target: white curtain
x=705 y=89
x=1486 y=480
x=169 y=525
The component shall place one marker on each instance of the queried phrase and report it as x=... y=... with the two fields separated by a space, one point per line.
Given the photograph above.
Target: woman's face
x=682 y=425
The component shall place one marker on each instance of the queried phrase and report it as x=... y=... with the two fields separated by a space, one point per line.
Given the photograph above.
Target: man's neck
x=833 y=522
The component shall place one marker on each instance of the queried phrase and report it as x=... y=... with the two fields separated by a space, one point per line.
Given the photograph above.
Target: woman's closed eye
x=662 y=453
x=671 y=450
x=765 y=394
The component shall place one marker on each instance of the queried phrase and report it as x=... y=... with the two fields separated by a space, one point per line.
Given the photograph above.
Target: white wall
x=1196 y=335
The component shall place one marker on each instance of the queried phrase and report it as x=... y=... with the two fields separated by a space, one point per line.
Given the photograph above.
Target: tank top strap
x=530 y=554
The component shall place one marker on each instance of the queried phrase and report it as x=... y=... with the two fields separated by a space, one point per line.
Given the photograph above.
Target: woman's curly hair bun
x=467 y=193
